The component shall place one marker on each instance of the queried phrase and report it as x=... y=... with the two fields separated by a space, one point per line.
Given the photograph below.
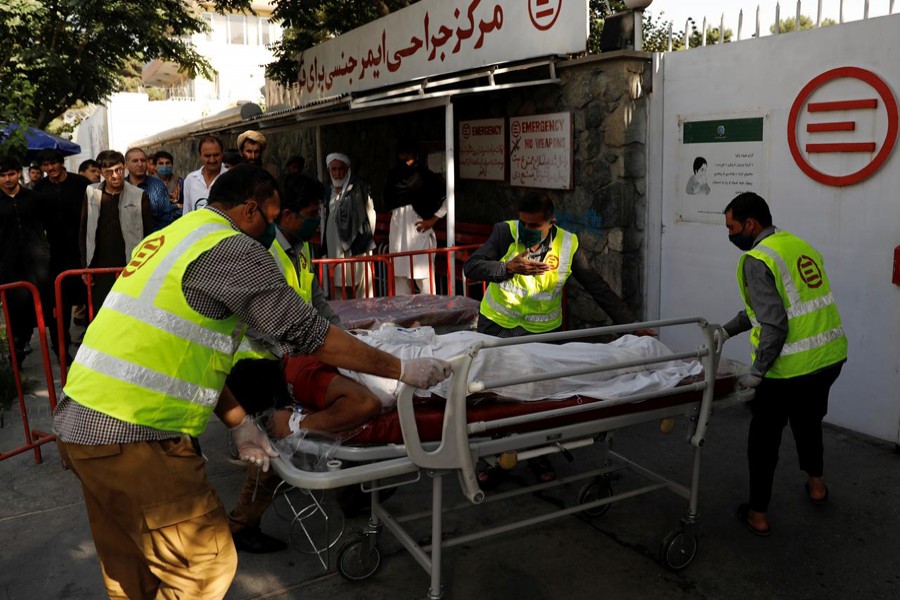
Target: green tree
x=75 y=50
x=790 y=24
x=695 y=39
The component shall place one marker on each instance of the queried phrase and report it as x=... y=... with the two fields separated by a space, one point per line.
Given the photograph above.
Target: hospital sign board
x=437 y=37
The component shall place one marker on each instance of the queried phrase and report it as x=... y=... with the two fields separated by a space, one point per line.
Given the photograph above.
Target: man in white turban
x=349 y=226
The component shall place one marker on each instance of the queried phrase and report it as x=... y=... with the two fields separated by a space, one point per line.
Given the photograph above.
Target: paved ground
x=846 y=549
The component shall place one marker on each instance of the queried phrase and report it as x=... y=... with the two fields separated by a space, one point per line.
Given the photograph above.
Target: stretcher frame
x=463 y=444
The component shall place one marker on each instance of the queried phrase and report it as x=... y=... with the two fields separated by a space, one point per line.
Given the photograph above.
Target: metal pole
x=450 y=176
x=797 y=24
x=777 y=18
x=670 y=37
x=703 y=39
x=866 y=10
x=841 y=19
x=722 y=29
x=740 y=23
x=687 y=40
x=819 y=15
x=757 y=20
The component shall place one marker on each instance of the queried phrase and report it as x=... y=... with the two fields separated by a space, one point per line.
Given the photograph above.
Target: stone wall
x=607 y=204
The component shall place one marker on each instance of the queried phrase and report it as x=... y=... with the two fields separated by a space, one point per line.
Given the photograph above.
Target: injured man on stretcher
x=337 y=401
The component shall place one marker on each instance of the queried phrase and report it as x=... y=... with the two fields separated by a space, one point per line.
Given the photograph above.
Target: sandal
x=542 y=468
x=490 y=476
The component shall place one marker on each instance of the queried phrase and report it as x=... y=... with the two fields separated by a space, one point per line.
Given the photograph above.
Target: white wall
x=855 y=228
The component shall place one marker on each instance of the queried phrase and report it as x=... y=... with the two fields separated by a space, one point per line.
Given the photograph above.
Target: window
x=236 y=34
x=264 y=32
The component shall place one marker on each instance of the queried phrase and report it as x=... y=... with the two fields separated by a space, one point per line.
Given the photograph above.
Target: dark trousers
x=800 y=401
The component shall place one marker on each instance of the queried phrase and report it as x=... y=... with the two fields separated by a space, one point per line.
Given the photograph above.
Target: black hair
x=749 y=206
x=110 y=158
x=164 y=154
x=537 y=202
x=299 y=192
x=296 y=159
x=49 y=155
x=242 y=183
x=206 y=139
x=232 y=158
x=10 y=163
x=35 y=165
x=699 y=162
x=85 y=165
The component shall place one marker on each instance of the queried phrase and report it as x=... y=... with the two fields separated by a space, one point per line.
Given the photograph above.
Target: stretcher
x=507 y=432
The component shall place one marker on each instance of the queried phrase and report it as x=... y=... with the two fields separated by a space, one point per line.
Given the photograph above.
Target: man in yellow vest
x=151 y=371
x=798 y=349
x=528 y=262
x=335 y=402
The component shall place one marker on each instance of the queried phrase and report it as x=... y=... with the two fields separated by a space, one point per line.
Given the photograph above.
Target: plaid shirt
x=238 y=276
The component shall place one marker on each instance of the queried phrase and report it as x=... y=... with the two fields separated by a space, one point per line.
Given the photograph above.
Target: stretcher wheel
x=595 y=490
x=678 y=549
x=356 y=561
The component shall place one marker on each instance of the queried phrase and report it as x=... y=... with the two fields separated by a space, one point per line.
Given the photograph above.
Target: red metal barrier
x=442 y=262
x=329 y=266
x=86 y=275
x=34 y=438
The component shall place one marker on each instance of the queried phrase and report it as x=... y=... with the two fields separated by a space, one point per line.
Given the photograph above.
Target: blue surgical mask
x=529 y=237
x=165 y=171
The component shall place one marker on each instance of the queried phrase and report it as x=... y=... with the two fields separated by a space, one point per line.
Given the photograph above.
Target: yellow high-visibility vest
x=532 y=301
x=816 y=336
x=301 y=282
x=148 y=358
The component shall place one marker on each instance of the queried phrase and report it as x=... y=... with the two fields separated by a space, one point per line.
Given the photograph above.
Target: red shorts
x=307 y=379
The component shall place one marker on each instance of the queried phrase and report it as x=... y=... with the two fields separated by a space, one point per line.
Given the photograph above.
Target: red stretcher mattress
x=488 y=407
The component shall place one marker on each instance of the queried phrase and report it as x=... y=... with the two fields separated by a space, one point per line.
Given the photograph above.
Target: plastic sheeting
x=494 y=363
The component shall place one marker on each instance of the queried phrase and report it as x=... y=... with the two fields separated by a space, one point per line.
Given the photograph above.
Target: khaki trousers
x=159 y=528
x=256 y=496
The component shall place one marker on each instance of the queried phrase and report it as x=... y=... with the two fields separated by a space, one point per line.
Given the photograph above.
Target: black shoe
x=253 y=540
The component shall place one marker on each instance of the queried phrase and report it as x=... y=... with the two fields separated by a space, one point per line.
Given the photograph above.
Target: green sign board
x=724 y=130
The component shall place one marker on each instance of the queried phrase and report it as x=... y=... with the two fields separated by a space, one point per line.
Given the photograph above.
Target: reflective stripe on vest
x=532 y=302
x=251 y=348
x=816 y=338
x=167 y=371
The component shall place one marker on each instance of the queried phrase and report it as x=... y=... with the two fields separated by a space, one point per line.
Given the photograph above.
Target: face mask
x=529 y=237
x=268 y=236
x=165 y=171
x=742 y=240
x=308 y=229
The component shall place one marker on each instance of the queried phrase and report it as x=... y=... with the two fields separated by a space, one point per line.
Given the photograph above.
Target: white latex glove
x=423 y=372
x=749 y=380
x=252 y=443
x=720 y=333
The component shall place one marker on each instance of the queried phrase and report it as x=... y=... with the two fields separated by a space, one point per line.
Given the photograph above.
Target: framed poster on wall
x=482 y=149
x=540 y=153
x=717 y=160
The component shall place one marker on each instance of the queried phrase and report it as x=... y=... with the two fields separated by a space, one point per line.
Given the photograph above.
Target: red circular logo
x=466 y=130
x=810 y=272
x=516 y=128
x=544 y=13
x=145 y=252
x=553 y=261
x=845 y=130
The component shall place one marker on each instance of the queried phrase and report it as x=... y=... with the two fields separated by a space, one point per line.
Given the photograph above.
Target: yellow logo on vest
x=301 y=258
x=810 y=272
x=144 y=254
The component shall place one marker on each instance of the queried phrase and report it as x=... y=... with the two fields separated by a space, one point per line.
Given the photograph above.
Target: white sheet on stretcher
x=494 y=363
